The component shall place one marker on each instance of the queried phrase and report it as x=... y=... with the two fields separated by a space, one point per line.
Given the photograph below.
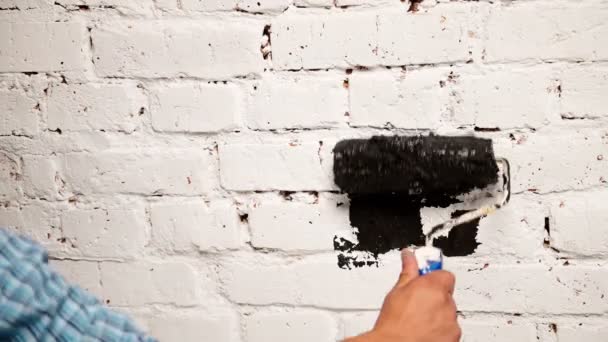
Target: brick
x=272 y=166
x=406 y=100
x=517 y=98
x=44 y=47
x=533 y=289
x=10 y=177
x=582 y=332
x=169 y=49
x=296 y=326
x=34 y=221
x=323 y=41
x=143 y=172
x=122 y=6
x=18 y=114
x=193 y=327
x=320 y=283
x=85 y=107
x=516 y=231
x=251 y=6
x=436 y=36
x=39 y=177
x=263 y=6
x=21 y=5
x=500 y=331
x=314 y=3
x=561 y=32
x=298 y=102
x=583 y=91
x=83 y=274
x=553 y=161
x=105 y=232
x=297 y=226
x=355 y=324
x=136 y=284
x=183 y=226
x=579 y=221
x=197 y=107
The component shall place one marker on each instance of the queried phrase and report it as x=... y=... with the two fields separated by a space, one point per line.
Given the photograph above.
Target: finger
x=445 y=280
x=409 y=268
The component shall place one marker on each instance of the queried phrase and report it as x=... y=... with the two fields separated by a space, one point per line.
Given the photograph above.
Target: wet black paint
x=462 y=239
x=389 y=179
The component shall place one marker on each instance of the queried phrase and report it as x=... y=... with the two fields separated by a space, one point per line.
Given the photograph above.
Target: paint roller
x=424 y=166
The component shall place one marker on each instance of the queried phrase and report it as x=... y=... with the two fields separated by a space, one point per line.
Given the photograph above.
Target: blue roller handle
x=429 y=259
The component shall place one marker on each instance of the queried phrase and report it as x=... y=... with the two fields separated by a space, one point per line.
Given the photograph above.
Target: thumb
x=409 y=268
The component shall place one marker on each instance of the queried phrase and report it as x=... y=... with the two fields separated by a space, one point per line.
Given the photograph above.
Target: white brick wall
x=173 y=171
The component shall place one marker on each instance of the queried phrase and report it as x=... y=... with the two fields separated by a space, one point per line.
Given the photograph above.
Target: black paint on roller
x=422 y=165
x=389 y=179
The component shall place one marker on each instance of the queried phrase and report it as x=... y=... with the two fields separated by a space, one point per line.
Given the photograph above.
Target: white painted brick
x=272 y=166
x=148 y=172
x=323 y=41
x=297 y=226
x=319 y=283
x=10 y=177
x=579 y=222
x=340 y=3
x=39 y=175
x=208 y=6
x=407 y=100
x=195 y=107
x=252 y=6
x=193 y=327
x=515 y=231
x=169 y=49
x=263 y=6
x=582 y=332
x=105 y=232
x=298 y=102
x=123 y=6
x=501 y=331
x=314 y=3
x=136 y=284
x=18 y=113
x=183 y=226
x=83 y=274
x=496 y=288
x=513 y=98
x=42 y=46
x=584 y=92
x=21 y=4
x=436 y=36
x=530 y=31
x=107 y=107
x=551 y=161
x=34 y=221
x=358 y=323
x=296 y=326
x=530 y=288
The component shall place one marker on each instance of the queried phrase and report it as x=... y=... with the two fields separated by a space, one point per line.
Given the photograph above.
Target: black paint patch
x=462 y=239
x=384 y=223
x=389 y=179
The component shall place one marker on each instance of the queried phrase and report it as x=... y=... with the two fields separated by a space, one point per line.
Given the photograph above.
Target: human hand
x=417 y=309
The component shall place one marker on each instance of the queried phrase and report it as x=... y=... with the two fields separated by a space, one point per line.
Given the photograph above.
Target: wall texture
x=175 y=158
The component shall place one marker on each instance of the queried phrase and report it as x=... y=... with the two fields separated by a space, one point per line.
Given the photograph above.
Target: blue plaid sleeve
x=36 y=304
